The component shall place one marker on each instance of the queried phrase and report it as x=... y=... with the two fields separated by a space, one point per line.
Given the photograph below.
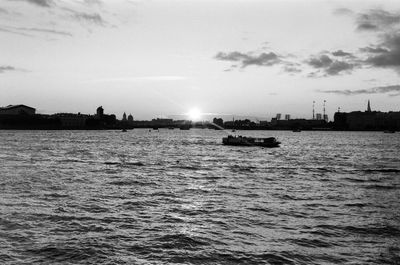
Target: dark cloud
x=377 y=19
x=7 y=68
x=42 y=3
x=93 y=18
x=341 y=53
x=246 y=59
x=329 y=66
x=374 y=50
x=387 y=53
x=322 y=62
x=373 y=90
x=3 y=11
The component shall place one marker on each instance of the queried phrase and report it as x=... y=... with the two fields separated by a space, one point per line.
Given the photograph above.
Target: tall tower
x=124 y=117
x=368 y=106
x=313 y=110
x=324 y=107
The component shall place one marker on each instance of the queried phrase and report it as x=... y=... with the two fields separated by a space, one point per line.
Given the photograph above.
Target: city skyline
x=169 y=58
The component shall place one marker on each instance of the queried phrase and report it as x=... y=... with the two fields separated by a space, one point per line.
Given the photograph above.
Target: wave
x=180 y=241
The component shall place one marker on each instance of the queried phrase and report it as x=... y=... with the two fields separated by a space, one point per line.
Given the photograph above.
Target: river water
x=181 y=197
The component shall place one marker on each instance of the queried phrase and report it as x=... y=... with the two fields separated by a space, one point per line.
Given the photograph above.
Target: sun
x=194 y=114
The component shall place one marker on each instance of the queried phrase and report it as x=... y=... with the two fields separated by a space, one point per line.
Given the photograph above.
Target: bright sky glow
x=194 y=114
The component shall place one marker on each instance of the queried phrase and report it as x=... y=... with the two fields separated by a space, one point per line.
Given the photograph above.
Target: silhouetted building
x=319 y=116
x=100 y=112
x=287 y=117
x=367 y=120
x=130 y=118
x=124 y=117
x=278 y=116
x=218 y=121
x=72 y=121
x=326 y=117
x=298 y=124
x=17 y=110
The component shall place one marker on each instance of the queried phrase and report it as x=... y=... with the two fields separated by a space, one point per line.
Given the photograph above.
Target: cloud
x=8 y=68
x=343 y=11
x=374 y=50
x=93 y=18
x=322 y=62
x=3 y=11
x=377 y=19
x=246 y=59
x=139 y=78
x=5 y=68
x=51 y=31
x=373 y=90
x=387 y=53
x=341 y=53
x=93 y=2
x=42 y=3
x=329 y=66
x=15 y=32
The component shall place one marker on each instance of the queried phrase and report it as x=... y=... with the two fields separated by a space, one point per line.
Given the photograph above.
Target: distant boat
x=250 y=141
x=124 y=130
x=389 y=131
x=296 y=130
x=185 y=127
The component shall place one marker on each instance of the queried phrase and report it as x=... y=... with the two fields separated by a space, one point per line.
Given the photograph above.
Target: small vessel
x=296 y=130
x=124 y=130
x=250 y=141
x=389 y=131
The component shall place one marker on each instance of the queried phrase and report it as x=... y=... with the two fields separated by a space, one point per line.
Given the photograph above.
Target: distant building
x=100 y=112
x=326 y=117
x=72 y=121
x=17 y=110
x=124 y=117
x=367 y=120
x=278 y=116
x=319 y=116
x=287 y=117
x=130 y=118
x=218 y=121
x=298 y=123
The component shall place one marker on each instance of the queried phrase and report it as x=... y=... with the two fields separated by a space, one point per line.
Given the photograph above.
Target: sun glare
x=194 y=114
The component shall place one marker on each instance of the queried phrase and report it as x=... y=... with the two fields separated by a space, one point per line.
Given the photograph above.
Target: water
x=180 y=197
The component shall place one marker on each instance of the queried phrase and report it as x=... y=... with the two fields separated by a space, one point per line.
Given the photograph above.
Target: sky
x=164 y=58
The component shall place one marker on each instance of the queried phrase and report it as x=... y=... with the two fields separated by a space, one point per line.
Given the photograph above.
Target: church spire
x=369 y=107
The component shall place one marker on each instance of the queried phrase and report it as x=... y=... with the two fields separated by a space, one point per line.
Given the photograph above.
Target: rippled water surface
x=180 y=197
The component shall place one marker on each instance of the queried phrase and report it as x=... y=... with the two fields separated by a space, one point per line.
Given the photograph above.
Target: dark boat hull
x=250 y=141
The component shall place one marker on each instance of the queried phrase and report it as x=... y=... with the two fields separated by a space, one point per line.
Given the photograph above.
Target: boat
x=250 y=141
x=389 y=131
x=124 y=130
x=296 y=130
